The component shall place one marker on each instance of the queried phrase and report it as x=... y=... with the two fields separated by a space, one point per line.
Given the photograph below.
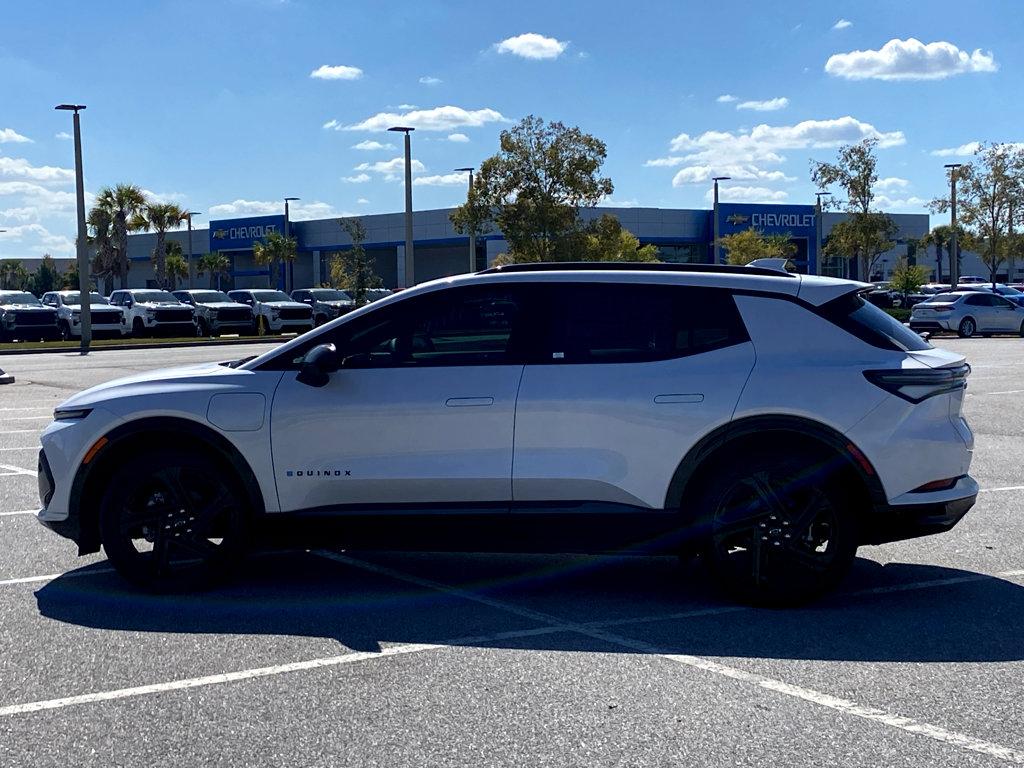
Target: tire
x=781 y=528
x=138 y=327
x=203 y=328
x=172 y=521
x=65 y=331
x=967 y=328
x=319 y=321
x=1021 y=331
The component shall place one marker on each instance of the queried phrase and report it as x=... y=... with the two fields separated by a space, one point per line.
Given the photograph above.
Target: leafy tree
x=941 y=238
x=907 y=278
x=533 y=187
x=474 y=217
x=352 y=269
x=160 y=217
x=13 y=275
x=750 y=244
x=866 y=234
x=989 y=188
x=275 y=249
x=124 y=205
x=216 y=264
x=46 y=277
x=105 y=263
x=176 y=265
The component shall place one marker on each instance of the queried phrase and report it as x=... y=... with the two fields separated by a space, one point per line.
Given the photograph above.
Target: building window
x=683 y=253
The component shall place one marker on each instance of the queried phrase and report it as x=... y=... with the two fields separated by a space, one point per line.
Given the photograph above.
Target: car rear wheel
x=782 y=531
x=1021 y=331
x=173 y=521
x=967 y=328
x=203 y=327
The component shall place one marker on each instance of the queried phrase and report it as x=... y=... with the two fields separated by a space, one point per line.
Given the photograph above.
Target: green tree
x=274 y=250
x=533 y=187
x=216 y=264
x=105 y=263
x=160 y=217
x=352 y=269
x=176 y=265
x=989 y=189
x=13 y=275
x=865 y=234
x=472 y=218
x=46 y=277
x=941 y=238
x=124 y=205
x=747 y=245
x=907 y=278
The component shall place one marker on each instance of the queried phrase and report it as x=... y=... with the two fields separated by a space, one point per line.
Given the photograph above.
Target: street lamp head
x=293 y=198
x=953 y=166
x=822 y=193
x=468 y=168
x=70 y=107
x=405 y=129
x=193 y=213
x=720 y=178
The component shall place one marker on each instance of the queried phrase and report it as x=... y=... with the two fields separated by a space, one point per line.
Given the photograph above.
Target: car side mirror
x=317 y=365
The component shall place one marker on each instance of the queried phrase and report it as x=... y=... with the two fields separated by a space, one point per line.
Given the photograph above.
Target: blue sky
x=215 y=105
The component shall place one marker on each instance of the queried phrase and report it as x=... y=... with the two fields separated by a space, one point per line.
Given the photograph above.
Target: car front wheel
x=967 y=328
x=782 y=531
x=173 y=520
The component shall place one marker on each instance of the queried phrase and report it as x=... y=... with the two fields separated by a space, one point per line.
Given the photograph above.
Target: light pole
x=717 y=250
x=818 y=230
x=82 y=246
x=472 y=230
x=289 y=272
x=188 y=216
x=954 y=262
x=410 y=278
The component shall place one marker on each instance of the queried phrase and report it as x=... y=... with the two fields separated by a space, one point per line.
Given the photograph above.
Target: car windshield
x=330 y=295
x=20 y=297
x=75 y=297
x=209 y=297
x=154 y=296
x=271 y=296
x=1007 y=291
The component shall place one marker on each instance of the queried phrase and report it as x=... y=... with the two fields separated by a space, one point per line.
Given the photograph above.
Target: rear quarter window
x=854 y=314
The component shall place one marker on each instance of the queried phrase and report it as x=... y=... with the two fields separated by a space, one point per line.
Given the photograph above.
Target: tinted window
x=271 y=296
x=870 y=324
x=20 y=297
x=617 y=323
x=155 y=296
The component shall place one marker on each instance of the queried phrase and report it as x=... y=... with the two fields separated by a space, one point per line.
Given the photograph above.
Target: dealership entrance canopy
x=680 y=235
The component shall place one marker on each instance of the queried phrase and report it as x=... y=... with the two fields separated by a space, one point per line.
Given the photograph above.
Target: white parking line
x=19 y=448
x=847 y=707
x=16 y=432
x=25 y=419
x=15 y=470
x=27 y=408
x=19 y=512
x=1002 y=392
x=50 y=577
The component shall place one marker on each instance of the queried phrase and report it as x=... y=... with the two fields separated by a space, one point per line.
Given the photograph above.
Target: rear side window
x=870 y=324
x=622 y=323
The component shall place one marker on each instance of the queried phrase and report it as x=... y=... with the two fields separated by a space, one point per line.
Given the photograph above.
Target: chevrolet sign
x=240 y=234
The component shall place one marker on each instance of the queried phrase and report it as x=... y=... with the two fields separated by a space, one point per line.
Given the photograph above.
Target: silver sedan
x=968 y=313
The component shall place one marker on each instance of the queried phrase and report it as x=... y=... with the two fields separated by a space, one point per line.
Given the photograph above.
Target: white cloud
x=532 y=46
x=24 y=214
x=962 y=151
x=442 y=180
x=891 y=183
x=909 y=60
x=358 y=179
x=702 y=174
x=436 y=119
x=725 y=98
x=407 y=106
x=298 y=210
x=362 y=201
x=391 y=168
x=40 y=237
x=430 y=80
x=10 y=135
x=768 y=105
x=23 y=169
x=336 y=72
x=747 y=195
x=912 y=203
x=165 y=197
x=63 y=135
x=842 y=24
x=47 y=200
x=461 y=138
x=631 y=203
x=369 y=145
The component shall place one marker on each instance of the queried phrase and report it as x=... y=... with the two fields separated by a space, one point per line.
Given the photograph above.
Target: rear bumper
x=931 y=325
x=935 y=513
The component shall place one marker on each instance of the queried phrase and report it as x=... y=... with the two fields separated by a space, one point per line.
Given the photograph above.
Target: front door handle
x=455 y=402
x=679 y=398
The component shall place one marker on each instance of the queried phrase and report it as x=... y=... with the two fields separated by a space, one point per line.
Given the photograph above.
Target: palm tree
x=124 y=205
x=276 y=248
x=105 y=264
x=215 y=263
x=176 y=265
x=12 y=274
x=160 y=217
x=941 y=238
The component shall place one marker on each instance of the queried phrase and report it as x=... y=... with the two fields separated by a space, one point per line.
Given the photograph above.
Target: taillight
x=918 y=384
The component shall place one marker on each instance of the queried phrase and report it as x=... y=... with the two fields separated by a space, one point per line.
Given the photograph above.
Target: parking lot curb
x=147 y=346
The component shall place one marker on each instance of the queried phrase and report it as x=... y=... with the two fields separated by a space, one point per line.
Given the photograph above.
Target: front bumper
x=935 y=513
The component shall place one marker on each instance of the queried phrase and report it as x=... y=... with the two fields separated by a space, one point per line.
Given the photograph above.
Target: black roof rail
x=727 y=269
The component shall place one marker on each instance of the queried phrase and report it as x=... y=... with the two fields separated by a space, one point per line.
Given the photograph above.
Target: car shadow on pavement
x=964 y=617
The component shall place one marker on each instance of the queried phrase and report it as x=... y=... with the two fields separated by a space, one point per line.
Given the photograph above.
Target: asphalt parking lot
x=369 y=659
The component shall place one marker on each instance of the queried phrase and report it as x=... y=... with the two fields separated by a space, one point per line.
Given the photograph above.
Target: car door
x=977 y=306
x=1004 y=314
x=421 y=412
x=631 y=377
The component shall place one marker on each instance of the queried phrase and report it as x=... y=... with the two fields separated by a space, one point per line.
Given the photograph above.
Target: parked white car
x=327 y=303
x=274 y=311
x=968 y=313
x=151 y=311
x=105 y=320
x=216 y=313
x=25 y=319
x=772 y=421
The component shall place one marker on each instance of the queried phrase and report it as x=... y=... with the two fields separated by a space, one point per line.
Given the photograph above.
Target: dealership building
x=680 y=235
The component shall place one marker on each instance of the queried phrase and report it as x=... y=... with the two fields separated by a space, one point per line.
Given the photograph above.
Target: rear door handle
x=454 y=402
x=679 y=398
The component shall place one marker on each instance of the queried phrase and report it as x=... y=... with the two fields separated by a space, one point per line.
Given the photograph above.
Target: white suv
x=771 y=421
x=274 y=311
x=104 y=319
x=151 y=311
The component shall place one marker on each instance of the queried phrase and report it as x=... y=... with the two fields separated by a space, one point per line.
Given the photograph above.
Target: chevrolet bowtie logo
x=734 y=219
x=220 y=234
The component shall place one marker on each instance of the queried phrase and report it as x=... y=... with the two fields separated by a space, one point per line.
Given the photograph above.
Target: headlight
x=70 y=414
x=150 y=312
x=213 y=315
